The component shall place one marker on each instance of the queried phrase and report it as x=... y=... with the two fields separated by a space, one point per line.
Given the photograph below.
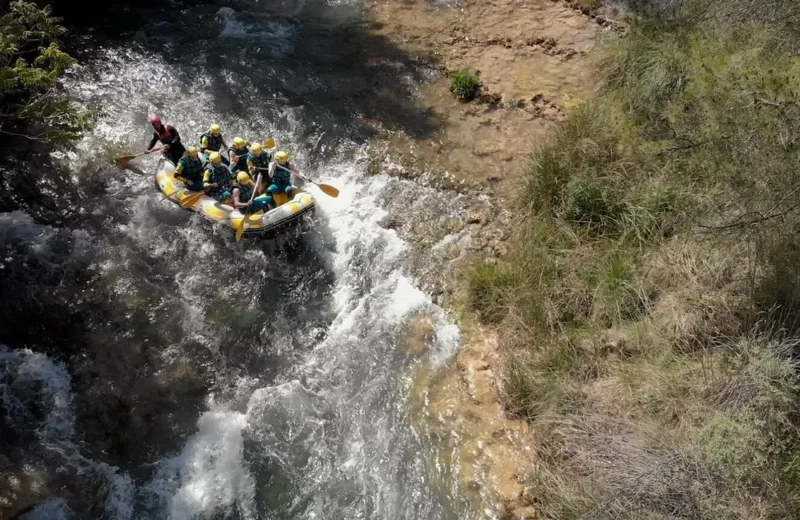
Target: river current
x=264 y=378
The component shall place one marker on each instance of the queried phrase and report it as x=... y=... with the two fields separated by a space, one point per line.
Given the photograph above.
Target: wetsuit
x=192 y=170
x=241 y=163
x=168 y=135
x=261 y=203
x=213 y=143
x=217 y=174
x=258 y=161
x=281 y=180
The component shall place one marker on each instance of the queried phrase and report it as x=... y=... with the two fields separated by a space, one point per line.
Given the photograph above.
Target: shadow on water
x=149 y=327
x=338 y=78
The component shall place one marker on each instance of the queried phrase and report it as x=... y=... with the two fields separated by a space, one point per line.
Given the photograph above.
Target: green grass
x=649 y=302
x=465 y=84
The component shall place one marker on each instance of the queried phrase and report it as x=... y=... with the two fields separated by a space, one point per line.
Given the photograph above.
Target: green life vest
x=219 y=174
x=259 y=161
x=192 y=168
x=241 y=164
x=214 y=141
x=282 y=175
x=245 y=191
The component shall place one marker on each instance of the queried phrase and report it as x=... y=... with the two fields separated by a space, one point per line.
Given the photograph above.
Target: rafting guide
x=245 y=187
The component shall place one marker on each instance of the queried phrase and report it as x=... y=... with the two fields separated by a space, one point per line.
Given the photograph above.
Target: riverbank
x=533 y=62
x=632 y=340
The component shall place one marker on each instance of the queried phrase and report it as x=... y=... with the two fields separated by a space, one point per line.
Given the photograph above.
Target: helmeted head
x=192 y=152
x=238 y=142
x=155 y=121
x=215 y=158
x=256 y=149
x=282 y=157
x=244 y=178
x=216 y=130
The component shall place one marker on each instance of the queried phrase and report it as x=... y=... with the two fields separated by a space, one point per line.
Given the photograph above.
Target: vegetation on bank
x=649 y=301
x=465 y=84
x=32 y=103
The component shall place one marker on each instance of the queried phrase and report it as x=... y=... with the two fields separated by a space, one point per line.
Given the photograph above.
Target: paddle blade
x=240 y=229
x=329 y=190
x=125 y=161
x=191 y=200
x=269 y=143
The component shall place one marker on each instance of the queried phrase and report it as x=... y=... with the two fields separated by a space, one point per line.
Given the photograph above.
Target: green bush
x=464 y=83
x=490 y=291
x=588 y=204
x=32 y=105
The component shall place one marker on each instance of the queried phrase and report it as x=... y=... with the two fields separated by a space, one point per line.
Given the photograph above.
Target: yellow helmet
x=282 y=157
x=191 y=152
x=243 y=178
x=256 y=149
x=239 y=142
x=215 y=158
x=216 y=129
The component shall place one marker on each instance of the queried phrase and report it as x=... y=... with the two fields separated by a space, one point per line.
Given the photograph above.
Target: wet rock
x=390 y=222
x=418 y=335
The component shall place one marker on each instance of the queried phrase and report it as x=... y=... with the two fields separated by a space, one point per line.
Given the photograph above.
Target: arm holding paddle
x=125 y=161
x=207 y=180
x=293 y=169
x=327 y=189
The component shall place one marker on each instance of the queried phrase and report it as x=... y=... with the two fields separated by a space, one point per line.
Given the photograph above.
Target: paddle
x=240 y=228
x=327 y=189
x=125 y=161
x=192 y=199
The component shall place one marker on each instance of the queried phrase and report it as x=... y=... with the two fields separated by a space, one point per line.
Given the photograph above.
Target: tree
x=33 y=103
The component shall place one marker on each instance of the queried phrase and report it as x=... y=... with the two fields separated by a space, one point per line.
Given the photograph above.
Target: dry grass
x=650 y=299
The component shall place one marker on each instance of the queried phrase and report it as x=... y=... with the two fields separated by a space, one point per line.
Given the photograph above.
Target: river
x=215 y=379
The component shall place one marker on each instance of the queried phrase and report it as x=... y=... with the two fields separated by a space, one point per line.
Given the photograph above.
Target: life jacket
x=245 y=191
x=282 y=177
x=241 y=164
x=214 y=141
x=192 y=168
x=259 y=161
x=219 y=174
x=164 y=135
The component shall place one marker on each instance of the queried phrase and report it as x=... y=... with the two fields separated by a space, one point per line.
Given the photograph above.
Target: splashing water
x=304 y=414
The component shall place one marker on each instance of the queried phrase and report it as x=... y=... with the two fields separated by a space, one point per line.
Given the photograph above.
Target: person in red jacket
x=167 y=135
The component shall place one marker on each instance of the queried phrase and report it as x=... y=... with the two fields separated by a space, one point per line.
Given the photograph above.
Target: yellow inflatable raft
x=302 y=203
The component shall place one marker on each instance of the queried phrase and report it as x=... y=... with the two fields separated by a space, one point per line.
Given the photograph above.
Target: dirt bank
x=531 y=57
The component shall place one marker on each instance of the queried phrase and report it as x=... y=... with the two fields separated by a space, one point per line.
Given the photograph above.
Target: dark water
x=179 y=374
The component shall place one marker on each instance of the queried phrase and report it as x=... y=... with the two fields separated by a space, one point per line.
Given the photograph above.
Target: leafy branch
x=32 y=103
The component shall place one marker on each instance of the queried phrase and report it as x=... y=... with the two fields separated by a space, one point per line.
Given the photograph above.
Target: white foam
x=405 y=299
x=208 y=475
x=58 y=430
x=251 y=27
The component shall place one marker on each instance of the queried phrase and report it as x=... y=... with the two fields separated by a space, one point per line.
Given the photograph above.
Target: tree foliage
x=32 y=103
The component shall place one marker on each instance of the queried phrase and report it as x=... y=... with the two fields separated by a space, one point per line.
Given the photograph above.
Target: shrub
x=490 y=288
x=588 y=204
x=657 y=242
x=32 y=105
x=464 y=83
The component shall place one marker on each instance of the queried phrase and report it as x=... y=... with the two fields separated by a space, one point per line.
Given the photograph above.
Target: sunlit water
x=306 y=415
